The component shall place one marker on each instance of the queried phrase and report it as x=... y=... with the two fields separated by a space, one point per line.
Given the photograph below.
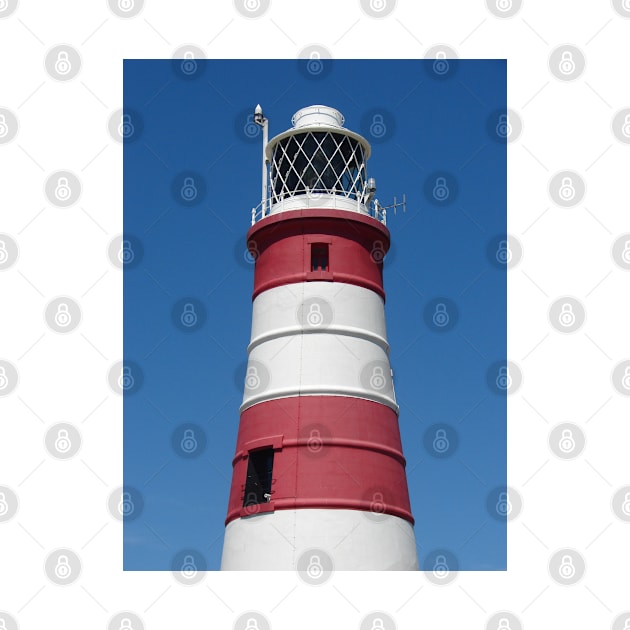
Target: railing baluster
x=372 y=209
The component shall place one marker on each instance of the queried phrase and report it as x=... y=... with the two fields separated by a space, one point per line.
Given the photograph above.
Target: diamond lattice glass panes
x=318 y=162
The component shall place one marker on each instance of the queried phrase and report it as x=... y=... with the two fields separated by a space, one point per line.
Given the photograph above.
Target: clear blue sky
x=195 y=125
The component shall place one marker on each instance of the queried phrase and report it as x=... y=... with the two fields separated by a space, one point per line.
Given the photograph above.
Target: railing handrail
x=372 y=208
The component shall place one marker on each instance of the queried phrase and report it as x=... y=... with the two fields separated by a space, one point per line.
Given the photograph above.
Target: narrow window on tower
x=259 y=476
x=319 y=256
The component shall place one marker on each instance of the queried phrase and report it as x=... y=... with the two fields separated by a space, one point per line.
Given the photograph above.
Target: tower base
x=355 y=540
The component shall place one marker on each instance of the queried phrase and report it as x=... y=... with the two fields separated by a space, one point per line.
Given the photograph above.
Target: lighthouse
x=318 y=466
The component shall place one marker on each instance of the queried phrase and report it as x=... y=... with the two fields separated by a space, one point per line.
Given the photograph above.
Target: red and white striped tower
x=318 y=461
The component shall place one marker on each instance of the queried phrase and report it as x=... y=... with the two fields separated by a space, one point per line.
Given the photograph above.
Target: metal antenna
x=397 y=204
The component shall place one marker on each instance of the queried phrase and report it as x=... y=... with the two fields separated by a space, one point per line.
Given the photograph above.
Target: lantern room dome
x=317 y=116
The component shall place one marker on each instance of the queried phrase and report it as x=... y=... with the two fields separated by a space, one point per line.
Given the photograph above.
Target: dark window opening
x=259 y=472
x=319 y=256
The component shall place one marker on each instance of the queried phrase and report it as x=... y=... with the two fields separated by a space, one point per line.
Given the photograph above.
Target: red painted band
x=309 y=213
x=335 y=452
x=281 y=245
